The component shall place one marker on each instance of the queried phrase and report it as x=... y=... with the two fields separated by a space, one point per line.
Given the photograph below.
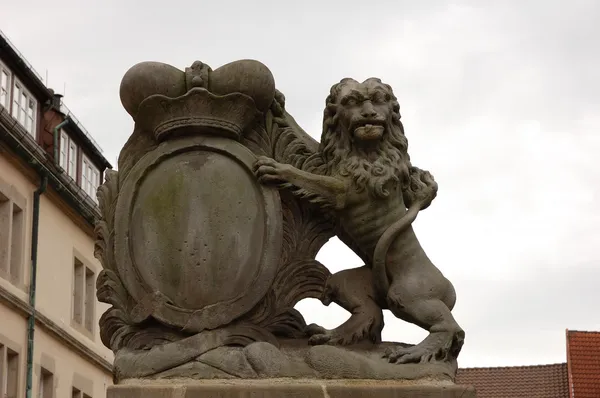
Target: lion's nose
x=368 y=110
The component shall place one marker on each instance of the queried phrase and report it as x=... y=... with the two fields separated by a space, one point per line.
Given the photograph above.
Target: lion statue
x=364 y=179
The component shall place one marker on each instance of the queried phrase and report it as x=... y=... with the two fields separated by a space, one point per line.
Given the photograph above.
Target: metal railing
x=14 y=48
x=63 y=108
x=69 y=114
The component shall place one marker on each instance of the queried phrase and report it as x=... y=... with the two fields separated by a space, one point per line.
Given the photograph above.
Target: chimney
x=56 y=101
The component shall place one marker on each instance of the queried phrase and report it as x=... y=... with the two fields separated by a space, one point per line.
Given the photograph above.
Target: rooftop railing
x=21 y=56
x=67 y=112
x=63 y=108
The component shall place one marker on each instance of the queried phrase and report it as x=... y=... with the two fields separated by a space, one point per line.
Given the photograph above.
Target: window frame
x=13 y=240
x=66 y=161
x=89 y=183
x=5 y=69
x=10 y=363
x=45 y=390
x=22 y=112
x=83 y=308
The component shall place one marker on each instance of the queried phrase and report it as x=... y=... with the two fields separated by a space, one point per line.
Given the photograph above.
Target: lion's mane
x=344 y=157
x=392 y=163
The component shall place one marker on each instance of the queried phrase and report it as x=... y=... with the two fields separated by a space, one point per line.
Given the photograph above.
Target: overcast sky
x=500 y=101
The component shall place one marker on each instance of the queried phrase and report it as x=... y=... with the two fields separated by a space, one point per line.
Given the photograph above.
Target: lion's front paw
x=319 y=339
x=313 y=329
x=436 y=347
x=319 y=336
x=269 y=171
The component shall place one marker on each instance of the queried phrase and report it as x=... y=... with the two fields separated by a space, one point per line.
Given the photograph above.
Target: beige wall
x=60 y=240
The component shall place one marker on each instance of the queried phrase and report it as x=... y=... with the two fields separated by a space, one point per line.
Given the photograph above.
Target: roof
x=583 y=357
x=76 y=127
x=539 y=381
x=35 y=82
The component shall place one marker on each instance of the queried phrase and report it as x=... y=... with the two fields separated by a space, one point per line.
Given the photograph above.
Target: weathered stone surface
x=293 y=359
x=279 y=388
x=211 y=226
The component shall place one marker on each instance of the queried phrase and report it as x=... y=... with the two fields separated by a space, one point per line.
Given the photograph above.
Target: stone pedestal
x=286 y=388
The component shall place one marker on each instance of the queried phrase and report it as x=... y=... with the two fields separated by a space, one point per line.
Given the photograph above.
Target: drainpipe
x=55 y=132
x=32 y=281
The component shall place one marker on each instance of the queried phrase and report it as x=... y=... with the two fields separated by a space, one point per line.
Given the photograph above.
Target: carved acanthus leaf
x=305 y=227
x=107 y=196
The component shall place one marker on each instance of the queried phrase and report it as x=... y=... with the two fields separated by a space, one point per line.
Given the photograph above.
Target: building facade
x=50 y=169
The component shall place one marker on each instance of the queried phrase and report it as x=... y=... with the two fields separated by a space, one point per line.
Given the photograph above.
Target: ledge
x=280 y=388
x=55 y=330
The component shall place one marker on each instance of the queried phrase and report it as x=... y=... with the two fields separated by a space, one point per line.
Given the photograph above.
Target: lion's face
x=364 y=110
x=363 y=137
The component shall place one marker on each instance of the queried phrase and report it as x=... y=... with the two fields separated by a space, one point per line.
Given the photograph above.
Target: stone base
x=286 y=388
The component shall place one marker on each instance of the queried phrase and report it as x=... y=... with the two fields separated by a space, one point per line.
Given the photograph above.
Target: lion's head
x=363 y=137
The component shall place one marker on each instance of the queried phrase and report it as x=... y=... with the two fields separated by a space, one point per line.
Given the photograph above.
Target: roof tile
x=583 y=357
x=540 y=381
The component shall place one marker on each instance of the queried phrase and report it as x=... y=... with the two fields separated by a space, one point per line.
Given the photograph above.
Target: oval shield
x=198 y=239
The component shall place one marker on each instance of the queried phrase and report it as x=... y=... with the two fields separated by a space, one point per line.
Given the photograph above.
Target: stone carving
x=365 y=176
x=210 y=229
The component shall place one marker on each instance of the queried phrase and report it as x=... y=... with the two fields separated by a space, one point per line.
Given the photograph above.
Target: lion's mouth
x=368 y=129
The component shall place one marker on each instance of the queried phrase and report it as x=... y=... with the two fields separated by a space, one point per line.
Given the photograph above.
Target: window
x=46 y=385
x=9 y=372
x=78 y=292
x=76 y=393
x=24 y=107
x=16 y=242
x=72 y=171
x=84 y=298
x=12 y=224
x=64 y=150
x=90 y=178
x=68 y=155
x=4 y=86
x=90 y=299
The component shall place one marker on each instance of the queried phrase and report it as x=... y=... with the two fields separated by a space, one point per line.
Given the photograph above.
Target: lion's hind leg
x=424 y=297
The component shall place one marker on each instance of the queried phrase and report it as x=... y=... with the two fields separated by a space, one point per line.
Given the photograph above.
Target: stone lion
x=367 y=182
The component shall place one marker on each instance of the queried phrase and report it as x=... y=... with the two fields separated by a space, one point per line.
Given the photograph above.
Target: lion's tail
x=380 y=277
x=418 y=195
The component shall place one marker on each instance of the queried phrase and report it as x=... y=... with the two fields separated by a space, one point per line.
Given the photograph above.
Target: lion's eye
x=379 y=98
x=351 y=102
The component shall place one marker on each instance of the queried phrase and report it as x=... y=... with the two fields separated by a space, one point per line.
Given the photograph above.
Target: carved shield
x=197 y=238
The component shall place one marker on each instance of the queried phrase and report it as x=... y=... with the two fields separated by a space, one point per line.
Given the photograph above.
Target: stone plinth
x=286 y=388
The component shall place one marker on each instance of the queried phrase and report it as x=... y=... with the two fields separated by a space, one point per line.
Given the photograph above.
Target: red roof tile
x=583 y=357
x=540 y=381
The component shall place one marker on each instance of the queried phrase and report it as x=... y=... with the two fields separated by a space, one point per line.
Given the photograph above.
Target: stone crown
x=163 y=100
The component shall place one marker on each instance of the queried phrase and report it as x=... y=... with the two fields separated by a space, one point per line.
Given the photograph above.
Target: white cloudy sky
x=500 y=100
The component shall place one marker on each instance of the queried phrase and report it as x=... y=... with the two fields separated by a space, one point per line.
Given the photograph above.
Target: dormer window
x=90 y=178
x=24 y=107
x=68 y=155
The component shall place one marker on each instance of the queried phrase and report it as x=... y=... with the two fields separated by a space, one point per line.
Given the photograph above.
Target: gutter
x=33 y=281
x=55 y=132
